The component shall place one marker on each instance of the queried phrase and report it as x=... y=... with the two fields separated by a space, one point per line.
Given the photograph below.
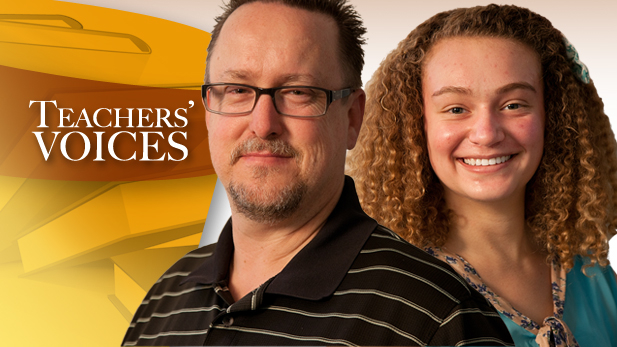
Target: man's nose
x=486 y=129
x=266 y=122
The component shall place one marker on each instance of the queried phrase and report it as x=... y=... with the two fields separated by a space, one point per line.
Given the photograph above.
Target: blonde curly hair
x=570 y=201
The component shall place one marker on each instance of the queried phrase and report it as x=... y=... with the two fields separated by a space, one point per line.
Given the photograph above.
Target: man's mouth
x=487 y=162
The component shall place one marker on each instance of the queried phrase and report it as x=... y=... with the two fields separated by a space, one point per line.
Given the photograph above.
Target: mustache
x=276 y=146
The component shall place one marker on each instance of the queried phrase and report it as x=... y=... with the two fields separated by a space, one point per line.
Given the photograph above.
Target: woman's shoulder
x=583 y=270
x=591 y=286
x=594 y=279
x=591 y=292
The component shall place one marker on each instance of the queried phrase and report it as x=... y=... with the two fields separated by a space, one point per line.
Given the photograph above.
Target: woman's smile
x=484 y=116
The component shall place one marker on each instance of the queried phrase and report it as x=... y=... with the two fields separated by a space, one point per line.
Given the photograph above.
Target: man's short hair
x=347 y=20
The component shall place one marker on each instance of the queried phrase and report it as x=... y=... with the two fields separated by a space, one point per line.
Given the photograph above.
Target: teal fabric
x=521 y=336
x=590 y=310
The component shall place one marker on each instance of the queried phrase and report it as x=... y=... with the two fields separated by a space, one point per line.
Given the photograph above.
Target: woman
x=485 y=142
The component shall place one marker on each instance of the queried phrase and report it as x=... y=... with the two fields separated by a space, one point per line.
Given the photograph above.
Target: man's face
x=273 y=165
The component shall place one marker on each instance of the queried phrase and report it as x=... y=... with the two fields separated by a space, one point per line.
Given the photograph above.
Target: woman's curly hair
x=570 y=201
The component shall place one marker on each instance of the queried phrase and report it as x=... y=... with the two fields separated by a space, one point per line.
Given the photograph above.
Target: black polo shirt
x=355 y=283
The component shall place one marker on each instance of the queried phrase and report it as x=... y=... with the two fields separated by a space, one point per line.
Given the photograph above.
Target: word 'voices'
x=115 y=118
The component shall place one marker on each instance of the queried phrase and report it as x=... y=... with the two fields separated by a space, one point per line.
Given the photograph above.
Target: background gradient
x=90 y=294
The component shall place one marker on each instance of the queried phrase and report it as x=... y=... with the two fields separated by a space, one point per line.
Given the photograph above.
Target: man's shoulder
x=411 y=289
x=194 y=258
x=187 y=264
x=400 y=260
x=170 y=299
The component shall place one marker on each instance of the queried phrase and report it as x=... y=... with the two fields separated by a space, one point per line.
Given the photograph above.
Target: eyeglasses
x=234 y=99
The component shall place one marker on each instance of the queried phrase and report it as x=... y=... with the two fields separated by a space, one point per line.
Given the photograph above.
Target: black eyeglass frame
x=332 y=95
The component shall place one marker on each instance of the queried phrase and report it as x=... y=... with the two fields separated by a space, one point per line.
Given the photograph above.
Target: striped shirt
x=355 y=283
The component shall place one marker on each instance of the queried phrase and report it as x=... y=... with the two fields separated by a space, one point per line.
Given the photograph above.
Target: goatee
x=265 y=204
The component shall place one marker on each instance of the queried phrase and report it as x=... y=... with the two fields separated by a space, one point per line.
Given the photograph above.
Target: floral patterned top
x=552 y=332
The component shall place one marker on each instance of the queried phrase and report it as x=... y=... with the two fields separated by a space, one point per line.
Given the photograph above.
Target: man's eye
x=456 y=110
x=298 y=92
x=512 y=107
x=237 y=91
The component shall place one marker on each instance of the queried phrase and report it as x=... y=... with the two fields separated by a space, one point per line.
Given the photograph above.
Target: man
x=299 y=262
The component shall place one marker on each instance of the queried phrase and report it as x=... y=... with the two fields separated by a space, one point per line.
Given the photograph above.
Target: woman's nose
x=486 y=129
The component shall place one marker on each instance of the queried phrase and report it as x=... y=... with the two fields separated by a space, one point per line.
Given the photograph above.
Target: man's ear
x=356 y=116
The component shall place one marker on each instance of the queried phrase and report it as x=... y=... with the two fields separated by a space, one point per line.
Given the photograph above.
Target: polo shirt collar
x=318 y=269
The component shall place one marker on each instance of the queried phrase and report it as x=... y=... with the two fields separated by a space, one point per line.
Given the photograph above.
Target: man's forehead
x=249 y=75
x=272 y=39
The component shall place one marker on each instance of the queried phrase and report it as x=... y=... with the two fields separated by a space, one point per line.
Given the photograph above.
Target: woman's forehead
x=476 y=63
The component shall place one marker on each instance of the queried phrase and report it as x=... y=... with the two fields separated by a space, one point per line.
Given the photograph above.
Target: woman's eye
x=512 y=107
x=456 y=110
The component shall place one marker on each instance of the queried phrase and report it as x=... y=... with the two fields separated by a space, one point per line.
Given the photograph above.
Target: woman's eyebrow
x=502 y=90
x=514 y=86
x=452 y=89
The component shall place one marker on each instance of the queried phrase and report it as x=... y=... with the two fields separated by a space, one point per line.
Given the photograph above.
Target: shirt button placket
x=228 y=321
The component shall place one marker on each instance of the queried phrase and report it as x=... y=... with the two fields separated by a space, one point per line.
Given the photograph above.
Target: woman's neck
x=493 y=230
x=494 y=239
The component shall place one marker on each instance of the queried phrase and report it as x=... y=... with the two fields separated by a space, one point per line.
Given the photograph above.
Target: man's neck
x=261 y=251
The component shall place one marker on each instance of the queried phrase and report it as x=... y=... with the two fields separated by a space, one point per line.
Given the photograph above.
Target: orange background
x=82 y=241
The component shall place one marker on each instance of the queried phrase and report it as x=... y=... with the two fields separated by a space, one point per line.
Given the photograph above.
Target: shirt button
x=228 y=321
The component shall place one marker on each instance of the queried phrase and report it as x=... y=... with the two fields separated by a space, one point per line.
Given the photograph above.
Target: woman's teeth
x=487 y=162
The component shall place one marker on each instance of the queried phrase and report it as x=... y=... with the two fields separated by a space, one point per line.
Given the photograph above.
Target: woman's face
x=484 y=116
